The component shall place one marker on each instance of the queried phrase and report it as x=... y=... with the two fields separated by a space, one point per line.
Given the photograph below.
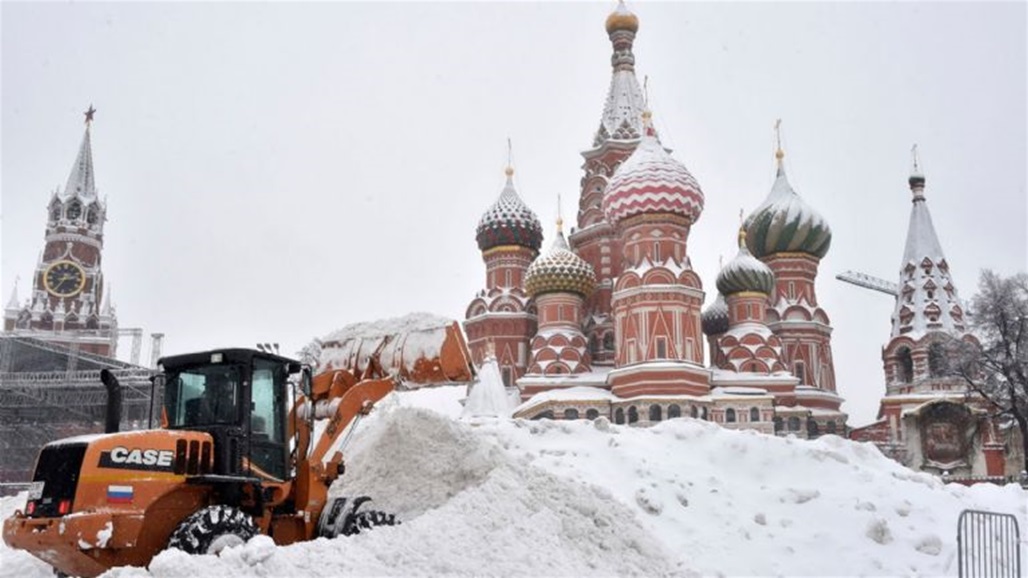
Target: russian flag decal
x=119 y=494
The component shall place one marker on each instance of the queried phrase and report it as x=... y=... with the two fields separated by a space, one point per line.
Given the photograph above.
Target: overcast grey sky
x=276 y=171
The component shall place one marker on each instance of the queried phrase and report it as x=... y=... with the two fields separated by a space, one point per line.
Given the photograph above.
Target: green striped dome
x=785 y=223
x=745 y=273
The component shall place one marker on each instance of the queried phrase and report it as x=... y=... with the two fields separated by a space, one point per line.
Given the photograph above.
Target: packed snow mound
x=412 y=322
x=418 y=348
x=682 y=498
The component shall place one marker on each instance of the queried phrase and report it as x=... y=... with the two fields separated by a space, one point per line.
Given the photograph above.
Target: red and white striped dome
x=650 y=181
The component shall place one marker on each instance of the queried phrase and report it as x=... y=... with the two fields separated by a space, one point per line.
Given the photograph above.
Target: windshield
x=204 y=395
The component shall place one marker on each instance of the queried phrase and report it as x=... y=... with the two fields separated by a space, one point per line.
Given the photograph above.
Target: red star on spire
x=89 y=114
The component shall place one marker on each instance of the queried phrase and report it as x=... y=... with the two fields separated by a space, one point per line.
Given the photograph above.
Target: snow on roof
x=569 y=394
x=737 y=390
x=778 y=377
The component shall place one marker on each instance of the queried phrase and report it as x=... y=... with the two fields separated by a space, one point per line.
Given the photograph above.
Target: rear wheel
x=344 y=517
x=212 y=529
x=367 y=520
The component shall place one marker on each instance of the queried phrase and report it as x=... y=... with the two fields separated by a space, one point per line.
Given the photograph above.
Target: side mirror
x=305 y=381
x=156 y=397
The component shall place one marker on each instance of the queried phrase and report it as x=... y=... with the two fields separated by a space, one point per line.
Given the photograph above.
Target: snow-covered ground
x=531 y=498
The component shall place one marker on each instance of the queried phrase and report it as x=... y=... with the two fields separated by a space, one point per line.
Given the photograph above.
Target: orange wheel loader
x=237 y=455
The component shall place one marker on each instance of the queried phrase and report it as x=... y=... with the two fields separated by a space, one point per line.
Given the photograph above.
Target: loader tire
x=212 y=529
x=366 y=520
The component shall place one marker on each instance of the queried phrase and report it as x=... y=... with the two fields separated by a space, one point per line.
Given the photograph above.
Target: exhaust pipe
x=112 y=415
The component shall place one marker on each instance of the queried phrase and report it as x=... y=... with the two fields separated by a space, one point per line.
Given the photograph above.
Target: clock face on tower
x=64 y=279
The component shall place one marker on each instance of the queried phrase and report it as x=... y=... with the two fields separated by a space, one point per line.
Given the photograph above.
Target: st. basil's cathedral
x=608 y=321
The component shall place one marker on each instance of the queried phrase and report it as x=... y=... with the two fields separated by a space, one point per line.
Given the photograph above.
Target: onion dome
x=560 y=270
x=651 y=181
x=745 y=273
x=714 y=318
x=622 y=19
x=509 y=222
x=785 y=223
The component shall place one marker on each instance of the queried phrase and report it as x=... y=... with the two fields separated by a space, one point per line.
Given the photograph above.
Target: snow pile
x=685 y=497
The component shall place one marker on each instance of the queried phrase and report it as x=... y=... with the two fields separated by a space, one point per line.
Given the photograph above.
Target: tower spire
x=916 y=179
x=13 y=302
x=560 y=219
x=510 y=163
x=81 y=182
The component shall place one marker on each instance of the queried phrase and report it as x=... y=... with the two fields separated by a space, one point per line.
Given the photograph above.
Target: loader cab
x=241 y=398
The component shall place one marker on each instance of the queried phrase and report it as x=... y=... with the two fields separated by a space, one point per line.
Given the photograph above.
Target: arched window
x=754 y=414
x=608 y=341
x=830 y=426
x=548 y=414
x=730 y=415
x=673 y=411
x=633 y=414
x=794 y=423
x=592 y=413
x=655 y=412
x=938 y=362
x=570 y=413
x=812 y=429
x=693 y=411
x=905 y=365
x=619 y=416
x=74 y=210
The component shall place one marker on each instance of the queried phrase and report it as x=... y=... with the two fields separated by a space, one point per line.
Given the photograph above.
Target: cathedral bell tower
x=67 y=304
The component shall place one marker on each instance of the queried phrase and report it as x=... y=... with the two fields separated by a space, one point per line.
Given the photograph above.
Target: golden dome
x=622 y=19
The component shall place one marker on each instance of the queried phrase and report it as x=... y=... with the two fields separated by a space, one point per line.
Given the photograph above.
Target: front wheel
x=212 y=529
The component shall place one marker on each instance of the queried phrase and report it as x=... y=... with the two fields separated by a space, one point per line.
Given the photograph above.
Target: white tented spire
x=80 y=181
x=488 y=397
x=927 y=299
x=12 y=303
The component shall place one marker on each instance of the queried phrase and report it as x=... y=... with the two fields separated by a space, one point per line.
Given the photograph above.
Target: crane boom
x=869 y=282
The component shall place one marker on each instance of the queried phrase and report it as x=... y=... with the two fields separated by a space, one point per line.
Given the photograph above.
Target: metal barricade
x=988 y=545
